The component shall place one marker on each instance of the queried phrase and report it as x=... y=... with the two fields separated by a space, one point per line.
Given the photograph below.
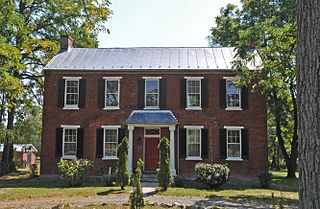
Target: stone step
x=146 y=177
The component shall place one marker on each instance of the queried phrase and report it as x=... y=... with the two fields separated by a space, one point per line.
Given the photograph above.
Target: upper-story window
x=193 y=92
x=112 y=92
x=71 y=92
x=233 y=94
x=152 y=89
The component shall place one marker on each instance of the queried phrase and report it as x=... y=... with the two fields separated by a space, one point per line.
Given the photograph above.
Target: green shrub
x=265 y=179
x=136 y=197
x=214 y=175
x=74 y=170
x=122 y=172
x=164 y=172
x=178 y=181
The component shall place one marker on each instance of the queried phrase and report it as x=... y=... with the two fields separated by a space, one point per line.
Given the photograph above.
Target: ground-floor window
x=69 y=142
x=233 y=143
x=110 y=142
x=193 y=139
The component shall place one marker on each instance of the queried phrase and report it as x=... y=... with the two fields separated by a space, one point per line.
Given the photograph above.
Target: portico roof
x=152 y=117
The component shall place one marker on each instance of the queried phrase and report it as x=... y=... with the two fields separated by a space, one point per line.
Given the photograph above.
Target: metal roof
x=152 y=117
x=145 y=58
x=21 y=147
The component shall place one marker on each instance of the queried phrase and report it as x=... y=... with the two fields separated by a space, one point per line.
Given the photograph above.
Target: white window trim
x=71 y=107
x=106 y=79
x=149 y=136
x=68 y=157
x=227 y=107
x=187 y=94
x=193 y=128
x=145 y=92
x=111 y=127
x=152 y=78
x=234 y=128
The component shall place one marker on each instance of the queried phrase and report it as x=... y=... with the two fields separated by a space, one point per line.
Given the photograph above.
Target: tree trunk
x=7 y=155
x=308 y=79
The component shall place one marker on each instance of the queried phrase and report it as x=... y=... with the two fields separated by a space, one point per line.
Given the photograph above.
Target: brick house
x=94 y=97
x=26 y=153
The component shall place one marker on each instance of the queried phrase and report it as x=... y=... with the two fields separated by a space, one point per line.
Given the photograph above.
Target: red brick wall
x=91 y=117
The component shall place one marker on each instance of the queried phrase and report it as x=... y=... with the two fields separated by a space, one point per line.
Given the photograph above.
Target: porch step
x=149 y=177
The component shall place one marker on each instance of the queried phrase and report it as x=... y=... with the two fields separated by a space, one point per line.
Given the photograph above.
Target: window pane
x=72 y=99
x=193 y=100
x=233 y=100
x=155 y=131
x=70 y=135
x=110 y=149
x=233 y=94
x=72 y=86
x=233 y=136
x=70 y=149
x=193 y=143
x=111 y=136
x=193 y=86
x=152 y=100
x=112 y=100
x=234 y=150
x=112 y=86
x=152 y=86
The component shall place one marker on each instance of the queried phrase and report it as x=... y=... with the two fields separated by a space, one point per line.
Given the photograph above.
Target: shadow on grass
x=45 y=183
x=111 y=191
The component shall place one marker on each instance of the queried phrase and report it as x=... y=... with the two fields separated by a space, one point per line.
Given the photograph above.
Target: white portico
x=151 y=121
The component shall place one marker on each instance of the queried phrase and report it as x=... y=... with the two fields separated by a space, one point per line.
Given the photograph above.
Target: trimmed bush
x=74 y=170
x=136 y=197
x=164 y=172
x=265 y=179
x=122 y=171
x=213 y=175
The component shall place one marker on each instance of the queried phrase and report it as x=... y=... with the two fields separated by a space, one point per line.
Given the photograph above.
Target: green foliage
x=269 y=29
x=122 y=171
x=136 y=197
x=265 y=179
x=214 y=175
x=74 y=170
x=178 y=181
x=164 y=172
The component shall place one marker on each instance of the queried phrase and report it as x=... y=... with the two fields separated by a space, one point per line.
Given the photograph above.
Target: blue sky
x=161 y=23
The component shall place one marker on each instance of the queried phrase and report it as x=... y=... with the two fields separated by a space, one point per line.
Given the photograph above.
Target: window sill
x=110 y=158
x=234 y=108
x=193 y=108
x=111 y=108
x=234 y=159
x=193 y=158
x=68 y=157
x=71 y=108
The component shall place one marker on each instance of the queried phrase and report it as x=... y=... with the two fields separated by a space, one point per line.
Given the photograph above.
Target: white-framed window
x=71 y=94
x=69 y=141
x=233 y=95
x=152 y=89
x=110 y=142
x=233 y=135
x=193 y=92
x=193 y=142
x=112 y=93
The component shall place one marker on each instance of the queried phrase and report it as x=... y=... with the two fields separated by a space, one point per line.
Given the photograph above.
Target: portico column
x=172 y=158
x=130 y=151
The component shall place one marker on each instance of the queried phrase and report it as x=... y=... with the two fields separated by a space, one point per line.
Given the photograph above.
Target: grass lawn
x=20 y=187
x=281 y=188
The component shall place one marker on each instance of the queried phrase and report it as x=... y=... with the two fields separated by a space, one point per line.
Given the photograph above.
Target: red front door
x=151 y=154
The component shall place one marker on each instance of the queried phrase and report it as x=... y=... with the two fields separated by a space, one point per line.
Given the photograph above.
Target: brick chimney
x=66 y=42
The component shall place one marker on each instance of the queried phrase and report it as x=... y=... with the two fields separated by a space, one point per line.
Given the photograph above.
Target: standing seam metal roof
x=152 y=58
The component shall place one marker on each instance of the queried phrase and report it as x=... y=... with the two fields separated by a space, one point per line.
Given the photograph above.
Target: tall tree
x=308 y=62
x=32 y=28
x=269 y=26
